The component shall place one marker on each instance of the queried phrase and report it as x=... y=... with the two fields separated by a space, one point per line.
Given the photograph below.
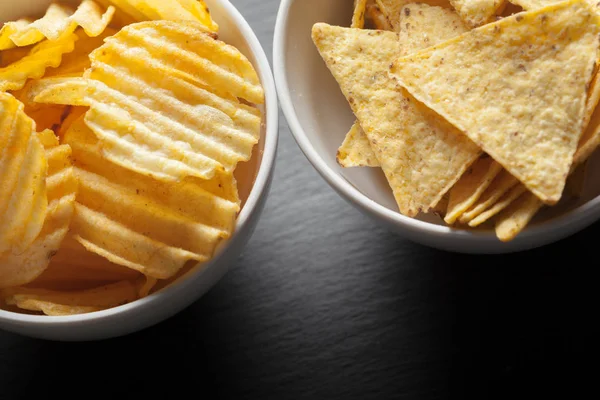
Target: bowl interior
x=252 y=176
x=325 y=117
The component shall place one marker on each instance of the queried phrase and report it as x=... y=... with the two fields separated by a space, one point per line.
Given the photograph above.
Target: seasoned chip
x=517 y=121
x=61 y=21
x=172 y=10
x=358 y=17
x=392 y=9
x=470 y=187
x=477 y=12
x=377 y=18
x=142 y=223
x=499 y=186
x=420 y=153
x=500 y=205
x=23 y=168
x=52 y=302
x=423 y=26
x=514 y=219
x=44 y=55
x=20 y=267
x=356 y=150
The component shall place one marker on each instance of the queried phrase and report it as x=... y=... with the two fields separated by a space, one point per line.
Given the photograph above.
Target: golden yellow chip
x=52 y=302
x=23 y=169
x=377 y=18
x=392 y=9
x=470 y=187
x=499 y=186
x=517 y=120
x=507 y=199
x=61 y=20
x=8 y=29
x=535 y=4
x=423 y=26
x=142 y=223
x=75 y=268
x=477 y=12
x=356 y=150
x=44 y=55
x=358 y=17
x=421 y=154
x=172 y=10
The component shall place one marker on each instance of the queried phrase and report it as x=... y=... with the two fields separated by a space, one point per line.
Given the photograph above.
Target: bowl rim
x=261 y=184
x=361 y=201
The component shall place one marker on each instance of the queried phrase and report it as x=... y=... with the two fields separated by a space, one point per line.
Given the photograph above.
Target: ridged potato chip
x=52 y=302
x=20 y=266
x=33 y=66
x=464 y=80
x=60 y=21
x=23 y=169
x=142 y=223
x=172 y=10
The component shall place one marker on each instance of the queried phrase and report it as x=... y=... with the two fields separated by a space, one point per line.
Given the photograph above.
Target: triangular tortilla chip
x=421 y=154
x=423 y=26
x=470 y=187
x=505 y=86
x=477 y=12
x=392 y=8
x=358 y=17
x=356 y=150
x=535 y=4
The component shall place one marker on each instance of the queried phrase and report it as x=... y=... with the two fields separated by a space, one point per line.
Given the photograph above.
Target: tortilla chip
x=507 y=199
x=392 y=9
x=377 y=18
x=356 y=150
x=517 y=216
x=477 y=12
x=536 y=4
x=471 y=186
x=514 y=219
x=358 y=17
x=530 y=123
x=422 y=26
x=499 y=186
x=421 y=154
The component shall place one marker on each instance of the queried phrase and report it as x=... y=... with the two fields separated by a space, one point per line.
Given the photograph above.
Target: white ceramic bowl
x=189 y=287
x=319 y=117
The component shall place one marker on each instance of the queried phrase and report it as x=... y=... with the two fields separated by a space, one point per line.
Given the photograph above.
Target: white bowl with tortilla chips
x=319 y=116
x=254 y=178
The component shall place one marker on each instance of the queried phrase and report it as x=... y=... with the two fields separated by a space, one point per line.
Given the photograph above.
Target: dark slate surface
x=324 y=304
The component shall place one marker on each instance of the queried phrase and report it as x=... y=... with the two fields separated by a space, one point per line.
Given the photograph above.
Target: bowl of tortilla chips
x=470 y=129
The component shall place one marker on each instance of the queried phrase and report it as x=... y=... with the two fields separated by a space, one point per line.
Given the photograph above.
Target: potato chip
x=378 y=19
x=470 y=187
x=356 y=150
x=500 y=205
x=75 y=268
x=42 y=56
x=358 y=17
x=60 y=21
x=477 y=12
x=516 y=120
x=10 y=28
x=22 y=265
x=23 y=168
x=142 y=223
x=52 y=302
x=499 y=186
x=172 y=10
x=421 y=154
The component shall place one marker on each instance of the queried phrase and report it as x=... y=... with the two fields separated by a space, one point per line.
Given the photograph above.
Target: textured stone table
x=324 y=304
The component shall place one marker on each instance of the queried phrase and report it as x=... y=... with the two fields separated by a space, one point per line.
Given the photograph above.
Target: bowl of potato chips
x=137 y=144
x=466 y=126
